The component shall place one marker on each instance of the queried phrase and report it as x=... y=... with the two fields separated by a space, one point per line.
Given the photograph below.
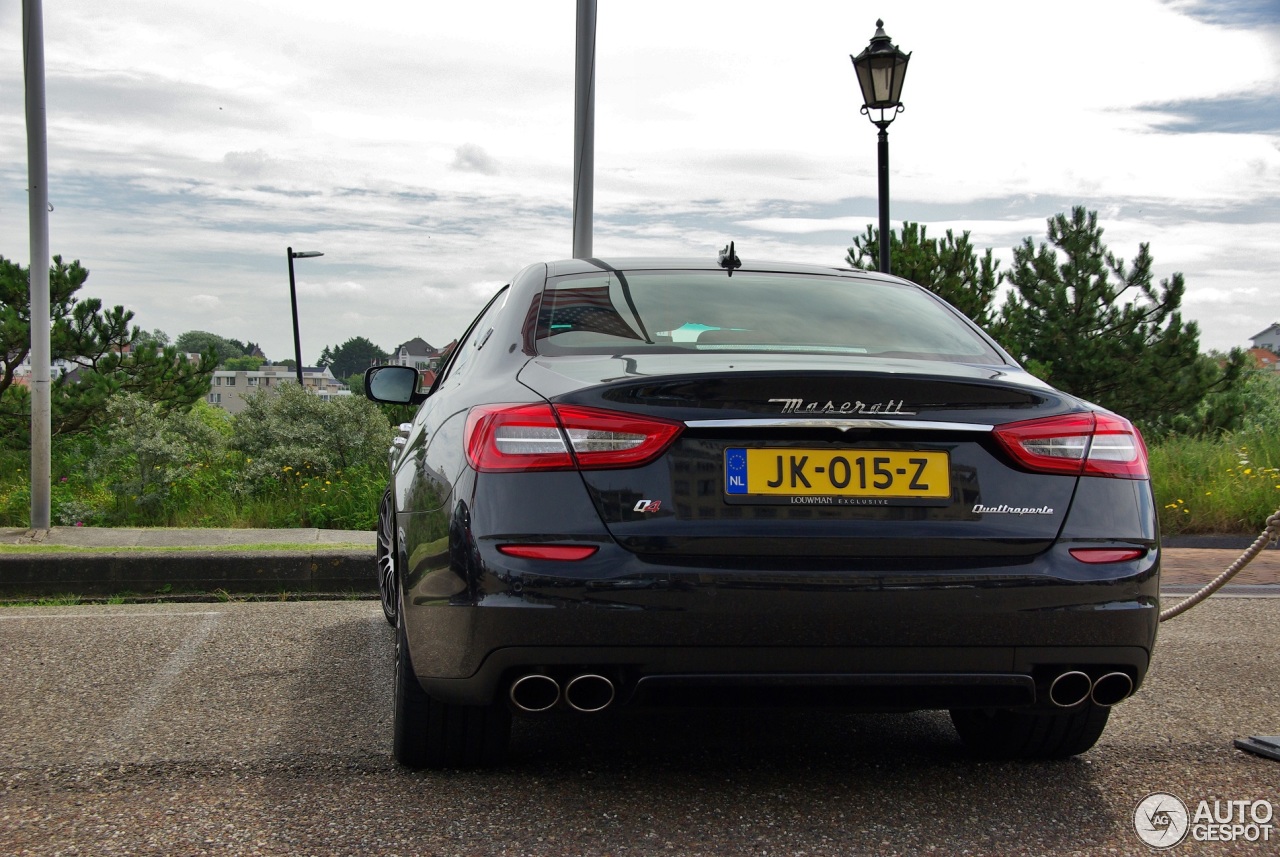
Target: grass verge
x=309 y=547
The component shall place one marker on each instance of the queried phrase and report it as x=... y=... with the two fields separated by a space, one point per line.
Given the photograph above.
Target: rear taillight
x=565 y=437
x=515 y=437
x=1089 y=444
x=606 y=439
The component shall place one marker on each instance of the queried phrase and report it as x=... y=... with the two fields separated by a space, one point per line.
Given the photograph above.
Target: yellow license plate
x=883 y=473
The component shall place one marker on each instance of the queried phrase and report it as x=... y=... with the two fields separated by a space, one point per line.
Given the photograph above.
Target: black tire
x=428 y=733
x=1002 y=733
x=387 y=581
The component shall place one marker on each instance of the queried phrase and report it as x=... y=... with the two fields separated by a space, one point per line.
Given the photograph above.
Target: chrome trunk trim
x=841 y=424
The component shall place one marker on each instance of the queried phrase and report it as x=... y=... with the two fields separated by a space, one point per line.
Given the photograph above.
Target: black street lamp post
x=293 y=298
x=881 y=69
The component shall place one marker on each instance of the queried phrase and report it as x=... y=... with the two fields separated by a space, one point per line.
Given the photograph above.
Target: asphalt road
x=264 y=729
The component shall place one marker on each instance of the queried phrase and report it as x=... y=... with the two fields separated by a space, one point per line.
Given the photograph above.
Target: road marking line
x=133 y=722
x=379 y=643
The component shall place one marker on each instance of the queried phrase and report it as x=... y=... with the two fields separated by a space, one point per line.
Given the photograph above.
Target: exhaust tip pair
x=586 y=693
x=1074 y=687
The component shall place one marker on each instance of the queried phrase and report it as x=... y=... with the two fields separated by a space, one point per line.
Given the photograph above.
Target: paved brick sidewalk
x=1201 y=565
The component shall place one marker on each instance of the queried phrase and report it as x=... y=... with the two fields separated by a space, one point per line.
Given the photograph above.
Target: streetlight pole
x=584 y=130
x=882 y=158
x=38 y=286
x=881 y=69
x=293 y=299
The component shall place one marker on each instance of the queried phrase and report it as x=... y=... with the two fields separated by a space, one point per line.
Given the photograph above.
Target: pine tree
x=355 y=355
x=326 y=358
x=200 y=341
x=108 y=354
x=950 y=268
x=1090 y=325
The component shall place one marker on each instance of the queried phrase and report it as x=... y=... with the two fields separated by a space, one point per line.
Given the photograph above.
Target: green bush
x=289 y=436
x=1251 y=402
x=1227 y=484
x=297 y=461
x=15 y=499
x=308 y=462
x=1218 y=482
x=147 y=456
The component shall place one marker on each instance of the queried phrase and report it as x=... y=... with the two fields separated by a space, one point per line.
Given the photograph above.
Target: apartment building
x=228 y=388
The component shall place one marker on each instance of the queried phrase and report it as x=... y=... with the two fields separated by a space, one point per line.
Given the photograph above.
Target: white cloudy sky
x=426 y=147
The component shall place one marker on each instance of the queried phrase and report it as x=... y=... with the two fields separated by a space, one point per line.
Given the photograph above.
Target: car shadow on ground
x=702 y=779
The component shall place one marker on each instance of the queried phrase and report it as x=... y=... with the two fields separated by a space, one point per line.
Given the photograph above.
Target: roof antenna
x=729 y=259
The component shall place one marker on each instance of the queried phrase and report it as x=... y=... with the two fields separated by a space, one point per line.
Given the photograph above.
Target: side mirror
x=392 y=385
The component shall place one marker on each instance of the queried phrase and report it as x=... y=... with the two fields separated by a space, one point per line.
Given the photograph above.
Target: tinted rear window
x=624 y=312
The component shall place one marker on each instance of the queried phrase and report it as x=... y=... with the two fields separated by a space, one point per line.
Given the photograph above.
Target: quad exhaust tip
x=1070 y=689
x=589 y=693
x=586 y=693
x=1112 y=688
x=1074 y=687
x=535 y=692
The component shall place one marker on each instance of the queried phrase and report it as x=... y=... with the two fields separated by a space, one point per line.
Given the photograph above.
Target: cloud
x=247 y=164
x=472 y=159
x=340 y=289
x=188 y=150
x=1239 y=114
x=1231 y=13
x=1219 y=295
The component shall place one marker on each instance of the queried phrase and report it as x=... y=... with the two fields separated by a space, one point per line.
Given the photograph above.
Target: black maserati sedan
x=700 y=482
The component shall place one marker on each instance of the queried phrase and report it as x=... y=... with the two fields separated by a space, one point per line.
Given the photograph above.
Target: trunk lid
x=841 y=461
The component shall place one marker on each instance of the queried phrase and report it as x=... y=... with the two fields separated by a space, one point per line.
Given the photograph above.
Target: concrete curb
x=140 y=572
x=145 y=563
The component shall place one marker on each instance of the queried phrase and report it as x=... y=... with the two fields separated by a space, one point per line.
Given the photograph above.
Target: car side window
x=472 y=341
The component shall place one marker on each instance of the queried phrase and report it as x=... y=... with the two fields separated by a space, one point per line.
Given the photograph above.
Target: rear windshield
x=623 y=312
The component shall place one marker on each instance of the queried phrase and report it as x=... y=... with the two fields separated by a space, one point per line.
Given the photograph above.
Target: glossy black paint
x=871 y=606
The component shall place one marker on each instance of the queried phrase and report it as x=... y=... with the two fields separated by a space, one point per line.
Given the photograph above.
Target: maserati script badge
x=893 y=407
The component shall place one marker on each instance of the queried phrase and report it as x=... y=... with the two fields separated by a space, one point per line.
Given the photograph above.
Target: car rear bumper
x=867 y=639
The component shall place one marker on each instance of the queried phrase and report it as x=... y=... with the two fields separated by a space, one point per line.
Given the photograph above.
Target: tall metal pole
x=584 y=130
x=38 y=213
x=293 y=299
x=885 y=234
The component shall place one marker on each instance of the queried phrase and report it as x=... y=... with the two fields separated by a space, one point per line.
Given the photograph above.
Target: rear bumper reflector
x=556 y=553
x=1096 y=556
